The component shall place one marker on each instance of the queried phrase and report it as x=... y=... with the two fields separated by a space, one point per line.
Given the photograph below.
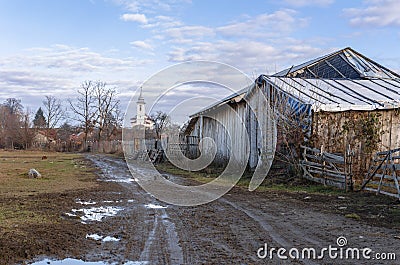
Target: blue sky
x=50 y=47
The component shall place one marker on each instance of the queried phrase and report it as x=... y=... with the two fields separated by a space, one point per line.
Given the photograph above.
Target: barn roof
x=342 y=64
x=339 y=81
x=235 y=97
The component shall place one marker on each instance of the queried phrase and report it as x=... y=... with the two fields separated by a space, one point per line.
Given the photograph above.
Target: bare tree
x=160 y=119
x=27 y=134
x=113 y=122
x=107 y=106
x=53 y=111
x=11 y=113
x=84 y=108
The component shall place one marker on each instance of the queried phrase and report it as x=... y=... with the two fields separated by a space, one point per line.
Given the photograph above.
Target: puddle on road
x=154 y=206
x=81 y=262
x=95 y=213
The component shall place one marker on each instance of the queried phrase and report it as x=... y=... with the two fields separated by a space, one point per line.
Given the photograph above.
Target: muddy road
x=135 y=228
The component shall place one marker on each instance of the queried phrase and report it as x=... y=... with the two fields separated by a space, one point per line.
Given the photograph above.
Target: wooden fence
x=384 y=174
x=108 y=147
x=326 y=168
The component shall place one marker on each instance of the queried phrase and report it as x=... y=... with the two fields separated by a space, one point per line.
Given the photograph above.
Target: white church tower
x=141 y=117
x=140 y=110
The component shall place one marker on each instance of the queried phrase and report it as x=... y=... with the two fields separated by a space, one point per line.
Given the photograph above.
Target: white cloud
x=300 y=3
x=59 y=70
x=142 y=45
x=151 y=6
x=185 y=33
x=265 y=25
x=163 y=21
x=248 y=55
x=140 y=18
x=375 y=13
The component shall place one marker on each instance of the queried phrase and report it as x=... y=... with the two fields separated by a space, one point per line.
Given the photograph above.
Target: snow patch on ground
x=128 y=180
x=85 y=203
x=102 y=238
x=97 y=213
x=154 y=206
x=111 y=239
x=81 y=262
x=94 y=237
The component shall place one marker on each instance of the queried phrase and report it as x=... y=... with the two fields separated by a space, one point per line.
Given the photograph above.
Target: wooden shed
x=339 y=100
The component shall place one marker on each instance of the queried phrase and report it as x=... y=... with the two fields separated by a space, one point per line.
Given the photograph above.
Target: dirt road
x=230 y=230
x=117 y=222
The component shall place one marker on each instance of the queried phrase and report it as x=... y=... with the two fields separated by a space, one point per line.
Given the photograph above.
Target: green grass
x=353 y=216
x=269 y=184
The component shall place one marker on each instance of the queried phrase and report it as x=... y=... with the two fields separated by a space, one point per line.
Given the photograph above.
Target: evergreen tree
x=39 y=121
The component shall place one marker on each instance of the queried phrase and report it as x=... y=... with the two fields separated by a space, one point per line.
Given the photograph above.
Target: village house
x=43 y=138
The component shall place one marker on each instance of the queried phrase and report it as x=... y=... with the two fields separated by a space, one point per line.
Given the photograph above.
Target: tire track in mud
x=231 y=229
x=265 y=224
x=161 y=243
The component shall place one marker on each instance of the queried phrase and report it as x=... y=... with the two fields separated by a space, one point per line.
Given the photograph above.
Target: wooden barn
x=338 y=102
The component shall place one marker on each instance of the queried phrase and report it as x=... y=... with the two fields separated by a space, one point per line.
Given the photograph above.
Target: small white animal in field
x=33 y=173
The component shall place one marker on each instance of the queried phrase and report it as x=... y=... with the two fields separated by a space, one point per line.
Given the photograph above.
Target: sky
x=50 y=47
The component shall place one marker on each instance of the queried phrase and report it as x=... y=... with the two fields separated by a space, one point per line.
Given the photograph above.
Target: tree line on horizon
x=95 y=110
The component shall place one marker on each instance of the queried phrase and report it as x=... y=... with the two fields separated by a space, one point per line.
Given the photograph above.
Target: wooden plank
x=311 y=163
x=334 y=157
x=383 y=192
x=327 y=171
x=328 y=175
x=388 y=152
x=396 y=183
x=390 y=194
x=391 y=166
x=327 y=159
x=324 y=158
x=319 y=158
x=385 y=176
x=315 y=150
x=383 y=184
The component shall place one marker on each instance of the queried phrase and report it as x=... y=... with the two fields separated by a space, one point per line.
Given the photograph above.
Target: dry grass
x=60 y=172
x=25 y=201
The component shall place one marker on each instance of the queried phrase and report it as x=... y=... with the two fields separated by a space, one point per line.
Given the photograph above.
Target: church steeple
x=140 y=98
x=141 y=110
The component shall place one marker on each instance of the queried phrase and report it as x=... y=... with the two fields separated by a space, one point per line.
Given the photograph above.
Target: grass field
x=60 y=172
x=25 y=201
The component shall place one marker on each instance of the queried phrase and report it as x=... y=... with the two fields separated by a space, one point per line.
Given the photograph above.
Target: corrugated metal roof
x=345 y=63
x=341 y=94
x=342 y=80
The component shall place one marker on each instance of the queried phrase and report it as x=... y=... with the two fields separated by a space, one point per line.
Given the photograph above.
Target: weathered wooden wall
x=226 y=129
x=332 y=130
x=260 y=126
x=251 y=118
